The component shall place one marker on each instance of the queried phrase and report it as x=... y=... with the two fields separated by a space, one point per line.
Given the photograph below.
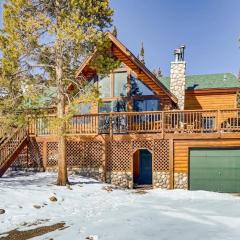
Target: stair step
x=11 y=146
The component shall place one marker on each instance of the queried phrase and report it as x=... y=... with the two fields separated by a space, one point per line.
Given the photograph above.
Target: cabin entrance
x=142 y=167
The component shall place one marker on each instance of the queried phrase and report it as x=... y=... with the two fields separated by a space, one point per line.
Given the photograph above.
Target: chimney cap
x=179 y=53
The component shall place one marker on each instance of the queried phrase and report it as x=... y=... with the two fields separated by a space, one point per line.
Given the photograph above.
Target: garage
x=215 y=169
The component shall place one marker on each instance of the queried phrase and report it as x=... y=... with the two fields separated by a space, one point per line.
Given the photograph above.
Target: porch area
x=166 y=124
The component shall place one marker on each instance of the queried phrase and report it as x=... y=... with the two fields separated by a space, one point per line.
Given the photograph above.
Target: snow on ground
x=89 y=210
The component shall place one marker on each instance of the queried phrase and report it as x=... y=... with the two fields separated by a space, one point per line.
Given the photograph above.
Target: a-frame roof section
x=128 y=58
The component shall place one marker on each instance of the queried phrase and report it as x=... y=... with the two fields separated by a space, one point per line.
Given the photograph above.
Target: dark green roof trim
x=207 y=81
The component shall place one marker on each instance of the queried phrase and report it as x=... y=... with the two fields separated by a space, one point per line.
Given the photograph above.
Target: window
x=238 y=99
x=119 y=106
x=138 y=88
x=120 y=84
x=146 y=105
x=114 y=106
x=105 y=107
x=152 y=105
x=84 y=108
x=105 y=86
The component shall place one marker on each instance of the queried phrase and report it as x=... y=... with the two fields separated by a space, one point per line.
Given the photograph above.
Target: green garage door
x=215 y=170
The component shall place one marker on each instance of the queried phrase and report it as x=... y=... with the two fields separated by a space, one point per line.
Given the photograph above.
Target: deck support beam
x=45 y=155
x=104 y=159
x=171 y=163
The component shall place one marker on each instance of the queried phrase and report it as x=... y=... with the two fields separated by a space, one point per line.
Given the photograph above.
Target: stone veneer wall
x=178 y=82
x=181 y=180
x=94 y=173
x=122 y=179
x=161 y=180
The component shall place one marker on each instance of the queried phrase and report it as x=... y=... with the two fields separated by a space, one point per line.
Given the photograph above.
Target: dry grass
x=28 y=234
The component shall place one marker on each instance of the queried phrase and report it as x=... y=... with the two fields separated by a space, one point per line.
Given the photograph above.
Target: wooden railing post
x=163 y=124
x=218 y=121
x=104 y=159
x=110 y=125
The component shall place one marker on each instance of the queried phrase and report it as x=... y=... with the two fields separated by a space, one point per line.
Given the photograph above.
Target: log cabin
x=177 y=132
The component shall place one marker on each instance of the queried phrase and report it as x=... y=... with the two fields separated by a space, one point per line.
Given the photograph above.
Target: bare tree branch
x=41 y=65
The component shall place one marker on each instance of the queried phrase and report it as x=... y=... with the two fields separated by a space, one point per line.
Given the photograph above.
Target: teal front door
x=145 y=168
x=215 y=170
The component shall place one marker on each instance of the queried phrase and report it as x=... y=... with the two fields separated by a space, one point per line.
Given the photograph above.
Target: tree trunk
x=62 y=161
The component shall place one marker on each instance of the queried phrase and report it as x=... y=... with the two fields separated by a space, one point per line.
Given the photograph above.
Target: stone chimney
x=178 y=76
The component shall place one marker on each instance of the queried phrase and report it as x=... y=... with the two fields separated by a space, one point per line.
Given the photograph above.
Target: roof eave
x=134 y=59
x=213 y=90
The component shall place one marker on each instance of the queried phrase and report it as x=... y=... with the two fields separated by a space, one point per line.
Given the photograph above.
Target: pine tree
x=115 y=32
x=142 y=53
x=52 y=38
x=159 y=72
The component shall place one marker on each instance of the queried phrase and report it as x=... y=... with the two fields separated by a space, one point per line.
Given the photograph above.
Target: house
x=169 y=132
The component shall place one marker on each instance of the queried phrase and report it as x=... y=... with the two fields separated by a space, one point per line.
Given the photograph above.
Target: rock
x=2 y=211
x=108 y=189
x=37 y=206
x=91 y=238
x=53 y=199
x=140 y=191
x=68 y=187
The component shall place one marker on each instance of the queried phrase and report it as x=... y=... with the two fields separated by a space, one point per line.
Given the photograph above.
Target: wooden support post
x=27 y=154
x=163 y=124
x=171 y=163
x=104 y=159
x=44 y=155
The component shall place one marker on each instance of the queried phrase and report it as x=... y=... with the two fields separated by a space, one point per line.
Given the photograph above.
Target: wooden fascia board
x=85 y=63
x=141 y=66
x=210 y=91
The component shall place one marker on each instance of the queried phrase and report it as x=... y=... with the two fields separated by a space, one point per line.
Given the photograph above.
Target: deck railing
x=190 y=121
x=229 y=120
x=169 y=122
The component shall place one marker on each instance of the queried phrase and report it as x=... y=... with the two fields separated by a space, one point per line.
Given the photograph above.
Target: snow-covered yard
x=89 y=210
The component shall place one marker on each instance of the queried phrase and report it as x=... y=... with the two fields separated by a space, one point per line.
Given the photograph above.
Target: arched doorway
x=142 y=167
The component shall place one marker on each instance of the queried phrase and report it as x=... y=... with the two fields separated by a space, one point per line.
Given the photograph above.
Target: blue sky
x=209 y=28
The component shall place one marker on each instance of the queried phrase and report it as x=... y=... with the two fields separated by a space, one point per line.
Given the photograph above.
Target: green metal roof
x=207 y=81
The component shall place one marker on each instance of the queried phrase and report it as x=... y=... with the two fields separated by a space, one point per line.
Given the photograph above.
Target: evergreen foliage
x=115 y=32
x=42 y=44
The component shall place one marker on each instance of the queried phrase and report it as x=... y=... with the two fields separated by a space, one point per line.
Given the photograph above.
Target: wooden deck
x=166 y=124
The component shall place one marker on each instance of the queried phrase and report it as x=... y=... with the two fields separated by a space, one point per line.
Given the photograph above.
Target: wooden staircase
x=10 y=146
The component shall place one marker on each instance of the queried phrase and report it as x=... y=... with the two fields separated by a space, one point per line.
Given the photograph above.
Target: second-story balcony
x=179 y=123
